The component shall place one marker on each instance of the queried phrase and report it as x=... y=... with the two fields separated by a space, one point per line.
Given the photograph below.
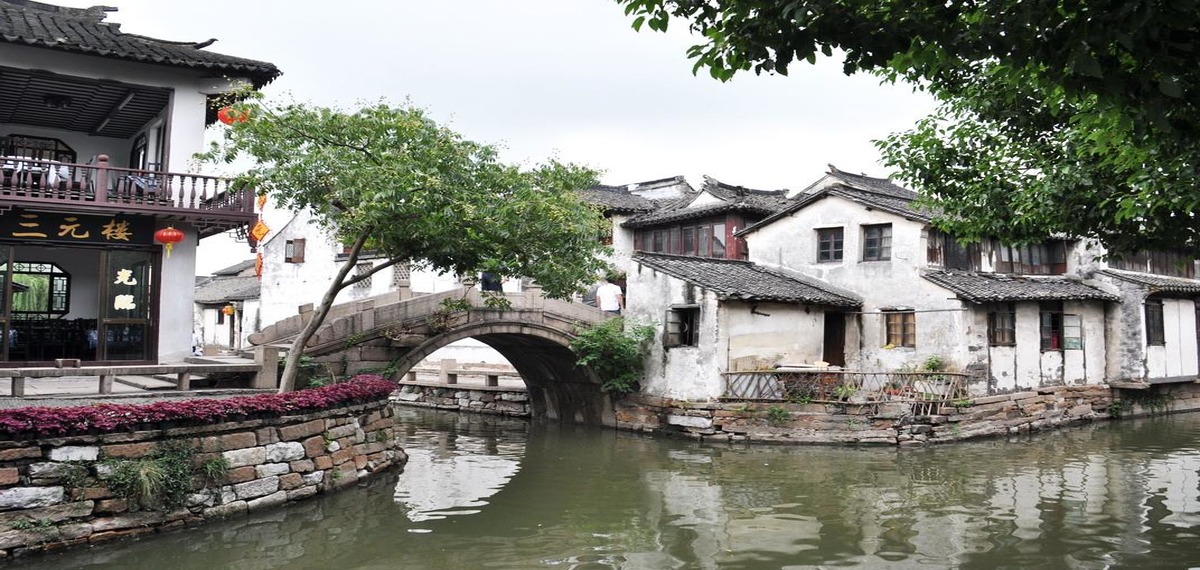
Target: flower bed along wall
x=73 y=476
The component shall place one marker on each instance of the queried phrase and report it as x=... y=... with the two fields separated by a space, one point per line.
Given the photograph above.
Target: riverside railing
x=932 y=389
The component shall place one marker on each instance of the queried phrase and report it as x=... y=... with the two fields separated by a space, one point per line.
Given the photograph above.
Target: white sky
x=542 y=78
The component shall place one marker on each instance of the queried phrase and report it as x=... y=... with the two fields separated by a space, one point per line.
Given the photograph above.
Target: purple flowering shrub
x=105 y=418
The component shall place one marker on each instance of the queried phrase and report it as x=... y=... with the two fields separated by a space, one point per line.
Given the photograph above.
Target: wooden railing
x=99 y=184
x=839 y=386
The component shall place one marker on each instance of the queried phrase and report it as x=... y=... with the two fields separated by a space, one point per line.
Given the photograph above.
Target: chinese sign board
x=65 y=227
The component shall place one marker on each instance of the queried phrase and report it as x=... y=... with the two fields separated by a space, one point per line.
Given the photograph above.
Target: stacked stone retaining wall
x=899 y=423
x=493 y=400
x=53 y=492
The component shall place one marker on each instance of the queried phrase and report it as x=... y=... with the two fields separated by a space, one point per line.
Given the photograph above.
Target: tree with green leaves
x=1075 y=118
x=392 y=181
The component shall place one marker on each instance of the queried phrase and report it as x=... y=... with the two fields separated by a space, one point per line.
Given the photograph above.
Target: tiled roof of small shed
x=233 y=270
x=1156 y=283
x=742 y=280
x=997 y=287
x=225 y=289
x=83 y=30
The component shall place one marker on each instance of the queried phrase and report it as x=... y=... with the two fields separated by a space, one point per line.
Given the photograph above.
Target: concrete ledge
x=133 y=370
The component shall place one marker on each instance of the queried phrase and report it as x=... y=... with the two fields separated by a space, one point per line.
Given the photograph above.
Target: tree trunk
x=291 y=365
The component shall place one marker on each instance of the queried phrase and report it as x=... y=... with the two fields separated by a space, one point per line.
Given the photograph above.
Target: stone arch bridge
x=394 y=333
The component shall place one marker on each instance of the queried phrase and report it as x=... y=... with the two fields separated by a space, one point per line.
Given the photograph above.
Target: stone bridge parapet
x=391 y=334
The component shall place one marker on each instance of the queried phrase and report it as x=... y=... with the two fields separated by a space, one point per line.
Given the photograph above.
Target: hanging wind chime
x=168 y=236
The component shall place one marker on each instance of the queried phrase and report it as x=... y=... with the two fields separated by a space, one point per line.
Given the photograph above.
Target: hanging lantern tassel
x=168 y=236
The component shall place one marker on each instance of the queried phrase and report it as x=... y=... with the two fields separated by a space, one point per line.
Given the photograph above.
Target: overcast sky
x=542 y=78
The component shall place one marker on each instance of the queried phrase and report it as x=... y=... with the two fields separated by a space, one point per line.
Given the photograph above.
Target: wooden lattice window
x=829 y=244
x=1155 y=331
x=40 y=148
x=901 y=328
x=1002 y=325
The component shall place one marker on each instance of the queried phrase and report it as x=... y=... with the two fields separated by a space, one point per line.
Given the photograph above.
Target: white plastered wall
x=943 y=323
x=1177 y=355
x=683 y=372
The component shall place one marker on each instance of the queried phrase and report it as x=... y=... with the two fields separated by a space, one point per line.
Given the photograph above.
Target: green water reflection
x=488 y=493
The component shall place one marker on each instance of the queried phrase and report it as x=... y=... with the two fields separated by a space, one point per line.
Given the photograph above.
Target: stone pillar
x=306 y=314
x=267 y=358
x=533 y=297
x=446 y=376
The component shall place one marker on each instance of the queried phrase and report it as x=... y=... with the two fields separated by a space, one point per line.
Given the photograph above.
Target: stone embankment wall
x=899 y=424
x=494 y=400
x=53 y=492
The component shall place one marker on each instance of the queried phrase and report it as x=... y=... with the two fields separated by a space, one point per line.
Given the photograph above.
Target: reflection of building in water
x=455 y=474
x=1056 y=503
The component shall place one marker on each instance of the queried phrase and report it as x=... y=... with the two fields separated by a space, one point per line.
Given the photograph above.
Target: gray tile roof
x=735 y=199
x=873 y=193
x=1156 y=283
x=83 y=30
x=233 y=270
x=997 y=287
x=879 y=186
x=226 y=289
x=742 y=280
x=661 y=188
x=616 y=200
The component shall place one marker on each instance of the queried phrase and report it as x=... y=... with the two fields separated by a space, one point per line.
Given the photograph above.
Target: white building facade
x=95 y=140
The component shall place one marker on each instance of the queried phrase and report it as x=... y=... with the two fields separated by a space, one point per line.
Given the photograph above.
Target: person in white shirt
x=609 y=297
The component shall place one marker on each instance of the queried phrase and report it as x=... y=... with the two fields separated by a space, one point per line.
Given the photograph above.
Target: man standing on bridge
x=609 y=297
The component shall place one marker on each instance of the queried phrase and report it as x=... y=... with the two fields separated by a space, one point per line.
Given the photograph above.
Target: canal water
x=483 y=492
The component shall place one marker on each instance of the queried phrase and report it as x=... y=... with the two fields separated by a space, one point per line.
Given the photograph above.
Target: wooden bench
x=183 y=373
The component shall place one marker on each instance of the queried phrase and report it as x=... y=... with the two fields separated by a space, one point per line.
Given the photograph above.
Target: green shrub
x=778 y=416
x=214 y=470
x=613 y=353
x=160 y=479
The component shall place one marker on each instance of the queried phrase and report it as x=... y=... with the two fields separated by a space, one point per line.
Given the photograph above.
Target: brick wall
x=53 y=492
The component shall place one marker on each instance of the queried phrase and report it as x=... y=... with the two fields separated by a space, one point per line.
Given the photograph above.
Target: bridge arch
x=532 y=332
x=558 y=388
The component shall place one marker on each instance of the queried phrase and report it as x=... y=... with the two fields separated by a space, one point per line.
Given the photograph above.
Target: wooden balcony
x=210 y=203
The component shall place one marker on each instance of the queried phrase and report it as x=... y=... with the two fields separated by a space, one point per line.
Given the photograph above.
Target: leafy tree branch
x=392 y=181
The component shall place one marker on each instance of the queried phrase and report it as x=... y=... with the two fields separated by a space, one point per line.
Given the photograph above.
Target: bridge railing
x=401 y=309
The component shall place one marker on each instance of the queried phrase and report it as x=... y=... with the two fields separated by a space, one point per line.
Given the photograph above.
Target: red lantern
x=229 y=115
x=168 y=236
x=227 y=309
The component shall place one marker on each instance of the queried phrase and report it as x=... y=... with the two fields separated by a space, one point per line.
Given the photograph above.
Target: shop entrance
x=88 y=303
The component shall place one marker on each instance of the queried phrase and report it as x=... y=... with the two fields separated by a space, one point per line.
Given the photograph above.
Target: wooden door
x=835 y=339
